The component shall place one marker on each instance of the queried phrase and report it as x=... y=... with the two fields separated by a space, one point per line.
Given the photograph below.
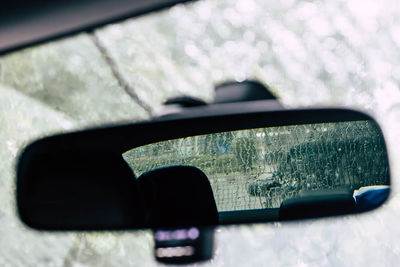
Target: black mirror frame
x=194 y=121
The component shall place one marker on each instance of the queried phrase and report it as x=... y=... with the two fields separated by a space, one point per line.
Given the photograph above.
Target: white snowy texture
x=331 y=53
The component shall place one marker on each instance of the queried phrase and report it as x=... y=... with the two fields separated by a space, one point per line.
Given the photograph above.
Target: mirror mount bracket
x=225 y=93
x=233 y=92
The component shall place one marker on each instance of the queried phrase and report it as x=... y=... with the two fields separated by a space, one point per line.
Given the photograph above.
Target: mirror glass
x=127 y=178
x=257 y=169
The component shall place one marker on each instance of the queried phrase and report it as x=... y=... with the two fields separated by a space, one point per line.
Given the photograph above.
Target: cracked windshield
x=260 y=168
x=310 y=53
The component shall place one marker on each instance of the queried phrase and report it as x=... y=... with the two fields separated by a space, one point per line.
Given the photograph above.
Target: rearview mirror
x=244 y=165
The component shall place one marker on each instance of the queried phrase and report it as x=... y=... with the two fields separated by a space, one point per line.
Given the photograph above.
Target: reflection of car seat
x=177 y=196
x=319 y=203
x=86 y=190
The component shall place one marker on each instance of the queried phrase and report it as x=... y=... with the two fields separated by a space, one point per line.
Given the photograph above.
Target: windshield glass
x=310 y=53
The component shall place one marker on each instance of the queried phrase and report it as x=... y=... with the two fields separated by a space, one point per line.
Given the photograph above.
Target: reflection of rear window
x=259 y=168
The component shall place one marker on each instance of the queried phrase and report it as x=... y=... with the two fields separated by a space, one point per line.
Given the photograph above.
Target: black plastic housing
x=34 y=168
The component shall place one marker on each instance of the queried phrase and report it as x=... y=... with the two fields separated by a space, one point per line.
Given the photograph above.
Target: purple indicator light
x=193 y=233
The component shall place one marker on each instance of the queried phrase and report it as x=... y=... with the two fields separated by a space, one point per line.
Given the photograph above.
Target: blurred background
x=311 y=53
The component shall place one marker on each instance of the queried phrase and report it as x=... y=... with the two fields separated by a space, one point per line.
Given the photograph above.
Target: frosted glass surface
x=341 y=52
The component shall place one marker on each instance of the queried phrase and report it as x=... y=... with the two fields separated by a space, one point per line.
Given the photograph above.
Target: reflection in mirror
x=262 y=168
x=105 y=179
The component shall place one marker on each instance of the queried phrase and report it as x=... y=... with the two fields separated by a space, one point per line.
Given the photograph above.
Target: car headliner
x=24 y=22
